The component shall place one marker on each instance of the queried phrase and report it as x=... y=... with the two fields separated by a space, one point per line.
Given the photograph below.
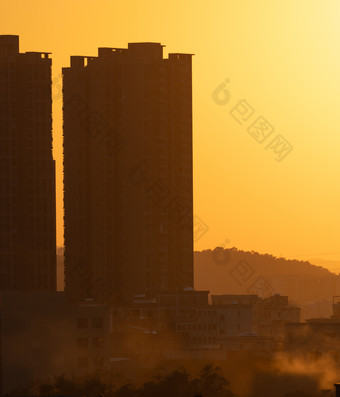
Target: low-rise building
x=42 y=336
x=316 y=337
x=268 y=316
x=273 y=313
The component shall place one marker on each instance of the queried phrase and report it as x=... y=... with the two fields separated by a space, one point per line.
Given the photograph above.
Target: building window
x=82 y=342
x=82 y=323
x=83 y=362
x=98 y=322
x=98 y=361
x=98 y=342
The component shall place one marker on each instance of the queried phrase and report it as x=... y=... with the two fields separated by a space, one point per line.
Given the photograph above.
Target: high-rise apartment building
x=27 y=170
x=128 y=173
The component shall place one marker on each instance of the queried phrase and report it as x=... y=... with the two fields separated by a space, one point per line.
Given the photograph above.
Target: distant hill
x=333 y=266
x=231 y=271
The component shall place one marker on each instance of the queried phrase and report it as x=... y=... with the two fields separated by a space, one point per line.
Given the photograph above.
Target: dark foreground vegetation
x=281 y=377
x=209 y=382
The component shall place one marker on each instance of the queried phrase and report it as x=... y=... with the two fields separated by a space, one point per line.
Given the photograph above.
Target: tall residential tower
x=27 y=170
x=128 y=173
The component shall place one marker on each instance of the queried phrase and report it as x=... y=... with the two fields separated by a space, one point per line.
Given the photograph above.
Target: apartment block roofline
x=9 y=36
x=37 y=53
x=105 y=52
x=180 y=53
x=146 y=42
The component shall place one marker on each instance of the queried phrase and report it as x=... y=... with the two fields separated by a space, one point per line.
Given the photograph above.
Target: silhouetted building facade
x=269 y=315
x=27 y=170
x=316 y=337
x=128 y=173
x=42 y=336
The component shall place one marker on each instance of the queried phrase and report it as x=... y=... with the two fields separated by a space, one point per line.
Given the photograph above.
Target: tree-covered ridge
x=233 y=271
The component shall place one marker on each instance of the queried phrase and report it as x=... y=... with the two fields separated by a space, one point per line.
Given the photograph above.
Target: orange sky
x=282 y=57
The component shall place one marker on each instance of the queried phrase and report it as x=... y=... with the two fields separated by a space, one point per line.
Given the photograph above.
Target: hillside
x=231 y=271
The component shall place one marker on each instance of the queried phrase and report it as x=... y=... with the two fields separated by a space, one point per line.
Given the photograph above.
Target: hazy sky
x=281 y=57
